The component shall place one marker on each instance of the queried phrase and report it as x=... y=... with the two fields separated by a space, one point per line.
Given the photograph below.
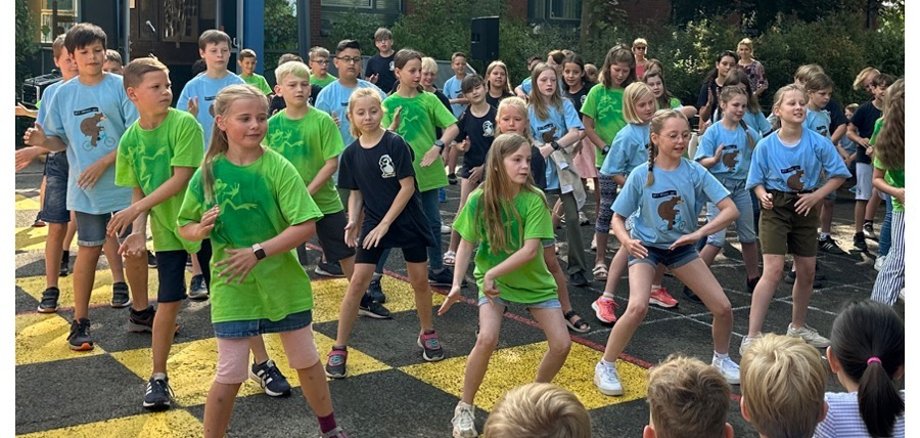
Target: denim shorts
x=54 y=209
x=552 y=303
x=256 y=327
x=744 y=225
x=672 y=259
x=91 y=228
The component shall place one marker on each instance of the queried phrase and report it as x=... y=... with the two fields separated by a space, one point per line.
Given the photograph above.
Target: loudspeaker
x=484 y=38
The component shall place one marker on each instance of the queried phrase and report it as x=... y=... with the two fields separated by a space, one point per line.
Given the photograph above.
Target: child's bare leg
x=348 y=266
x=557 y=336
x=116 y=265
x=257 y=345
x=164 y=332
x=490 y=323
x=219 y=408
x=84 y=274
x=303 y=357
x=196 y=267
x=617 y=267
x=135 y=267
x=749 y=255
x=763 y=292
x=640 y=282
x=53 y=250
x=697 y=276
x=418 y=277
x=71 y=232
x=348 y=311
x=552 y=263
x=802 y=289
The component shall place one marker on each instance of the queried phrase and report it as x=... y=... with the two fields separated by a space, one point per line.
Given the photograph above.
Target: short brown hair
x=57 y=47
x=538 y=410
x=782 y=384
x=134 y=72
x=818 y=82
x=807 y=71
x=112 y=55
x=212 y=36
x=247 y=53
x=687 y=397
x=383 y=33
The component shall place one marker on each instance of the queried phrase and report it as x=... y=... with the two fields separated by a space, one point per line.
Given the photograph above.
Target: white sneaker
x=746 y=342
x=809 y=335
x=607 y=380
x=728 y=369
x=446 y=229
x=464 y=421
x=879 y=262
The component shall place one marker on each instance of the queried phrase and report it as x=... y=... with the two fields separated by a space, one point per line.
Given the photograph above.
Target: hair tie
x=873 y=360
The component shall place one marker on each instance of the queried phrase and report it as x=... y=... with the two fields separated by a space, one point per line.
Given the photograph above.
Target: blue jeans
x=745 y=222
x=884 y=237
x=433 y=214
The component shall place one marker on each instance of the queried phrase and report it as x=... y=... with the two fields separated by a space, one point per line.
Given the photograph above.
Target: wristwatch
x=555 y=145
x=439 y=144
x=258 y=251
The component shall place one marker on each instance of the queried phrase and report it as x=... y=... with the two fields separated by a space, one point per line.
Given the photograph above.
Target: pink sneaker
x=661 y=298
x=605 y=309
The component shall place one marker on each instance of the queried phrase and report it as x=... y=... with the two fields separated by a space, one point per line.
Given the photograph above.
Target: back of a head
x=687 y=398
x=782 y=383
x=538 y=410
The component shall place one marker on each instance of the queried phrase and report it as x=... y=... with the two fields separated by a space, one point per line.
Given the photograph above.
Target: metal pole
x=126 y=28
x=303 y=27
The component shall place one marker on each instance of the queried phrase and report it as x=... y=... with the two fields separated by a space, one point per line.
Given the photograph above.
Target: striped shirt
x=843 y=419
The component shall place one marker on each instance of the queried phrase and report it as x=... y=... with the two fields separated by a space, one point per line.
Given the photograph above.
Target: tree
x=25 y=41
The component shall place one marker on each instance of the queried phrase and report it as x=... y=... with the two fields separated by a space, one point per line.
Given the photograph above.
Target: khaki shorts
x=783 y=231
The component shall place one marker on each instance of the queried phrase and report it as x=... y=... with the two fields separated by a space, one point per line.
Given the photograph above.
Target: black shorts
x=414 y=254
x=171 y=272
x=330 y=230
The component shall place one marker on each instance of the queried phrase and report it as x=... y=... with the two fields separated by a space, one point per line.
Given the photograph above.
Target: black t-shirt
x=481 y=132
x=383 y=68
x=704 y=97
x=864 y=119
x=578 y=99
x=494 y=101
x=538 y=167
x=277 y=102
x=838 y=117
x=376 y=172
x=444 y=101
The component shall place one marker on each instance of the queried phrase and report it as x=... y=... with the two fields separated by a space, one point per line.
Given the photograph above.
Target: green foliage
x=280 y=34
x=358 y=26
x=25 y=44
x=438 y=28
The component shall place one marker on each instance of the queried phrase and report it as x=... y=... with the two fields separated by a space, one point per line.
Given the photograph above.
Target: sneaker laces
x=270 y=373
x=162 y=383
x=609 y=373
x=464 y=418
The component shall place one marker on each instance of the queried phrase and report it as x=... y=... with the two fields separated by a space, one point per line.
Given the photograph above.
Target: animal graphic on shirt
x=795 y=181
x=90 y=127
x=488 y=129
x=387 y=168
x=730 y=159
x=225 y=196
x=549 y=135
x=668 y=211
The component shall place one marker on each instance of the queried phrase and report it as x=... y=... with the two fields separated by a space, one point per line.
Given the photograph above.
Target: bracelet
x=439 y=144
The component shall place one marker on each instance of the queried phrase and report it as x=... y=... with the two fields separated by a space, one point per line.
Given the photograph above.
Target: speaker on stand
x=484 y=39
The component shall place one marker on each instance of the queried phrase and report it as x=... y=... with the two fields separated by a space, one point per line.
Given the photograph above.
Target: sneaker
x=605 y=309
x=578 y=279
x=338 y=432
x=746 y=342
x=336 y=362
x=464 y=421
x=691 y=296
x=79 y=338
x=829 y=245
x=431 y=346
x=752 y=283
x=661 y=298
x=443 y=278
x=120 y=296
x=583 y=219
x=859 y=241
x=607 y=379
x=49 y=302
x=329 y=269
x=809 y=335
x=869 y=232
x=376 y=291
x=269 y=377
x=65 y=264
x=157 y=396
x=38 y=223
x=728 y=369
x=372 y=309
x=151 y=259
x=198 y=289
x=879 y=262
x=446 y=229
x=452 y=179
x=141 y=321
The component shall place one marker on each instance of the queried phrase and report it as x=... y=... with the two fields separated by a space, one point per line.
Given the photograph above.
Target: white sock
x=825 y=235
x=717 y=355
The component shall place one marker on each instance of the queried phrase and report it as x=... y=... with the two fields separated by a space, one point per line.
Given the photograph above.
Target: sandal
x=575 y=323
x=600 y=272
x=450 y=258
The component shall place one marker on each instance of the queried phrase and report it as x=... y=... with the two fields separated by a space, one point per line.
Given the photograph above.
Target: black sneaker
x=329 y=269
x=336 y=363
x=65 y=264
x=859 y=241
x=372 y=309
x=578 y=279
x=829 y=245
x=141 y=321
x=79 y=338
x=868 y=231
x=49 y=303
x=151 y=259
x=452 y=179
x=198 y=290
x=269 y=377
x=444 y=277
x=120 y=296
x=157 y=395
x=376 y=291
x=692 y=296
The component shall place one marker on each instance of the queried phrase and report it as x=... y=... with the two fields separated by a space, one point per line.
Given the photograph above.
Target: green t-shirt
x=605 y=106
x=257 y=202
x=258 y=81
x=419 y=117
x=322 y=82
x=894 y=177
x=532 y=282
x=675 y=103
x=307 y=143
x=146 y=158
x=878 y=128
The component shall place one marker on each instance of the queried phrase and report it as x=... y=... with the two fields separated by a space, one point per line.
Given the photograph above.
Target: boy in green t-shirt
x=309 y=138
x=156 y=157
x=248 y=61
x=319 y=64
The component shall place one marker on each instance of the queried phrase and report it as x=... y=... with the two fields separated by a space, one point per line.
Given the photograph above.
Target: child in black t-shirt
x=379 y=69
x=377 y=168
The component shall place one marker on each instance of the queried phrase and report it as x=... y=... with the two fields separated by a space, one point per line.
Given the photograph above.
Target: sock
x=824 y=235
x=607 y=363
x=65 y=257
x=158 y=376
x=377 y=276
x=656 y=286
x=717 y=355
x=326 y=423
x=608 y=294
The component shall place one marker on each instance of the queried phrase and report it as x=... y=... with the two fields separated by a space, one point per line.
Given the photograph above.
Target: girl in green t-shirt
x=250 y=202
x=508 y=218
x=888 y=177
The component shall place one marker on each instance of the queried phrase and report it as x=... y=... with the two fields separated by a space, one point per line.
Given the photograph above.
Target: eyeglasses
x=349 y=59
x=321 y=61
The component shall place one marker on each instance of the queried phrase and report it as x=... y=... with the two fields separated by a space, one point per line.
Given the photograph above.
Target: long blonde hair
x=655 y=126
x=496 y=207
x=219 y=142
x=540 y=106
x=890 y=142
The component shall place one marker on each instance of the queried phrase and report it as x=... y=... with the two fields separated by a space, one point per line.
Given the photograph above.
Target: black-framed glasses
x=349 y=59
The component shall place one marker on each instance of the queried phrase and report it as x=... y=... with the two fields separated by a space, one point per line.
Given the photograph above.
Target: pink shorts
x=584 y=161
x=233 y=354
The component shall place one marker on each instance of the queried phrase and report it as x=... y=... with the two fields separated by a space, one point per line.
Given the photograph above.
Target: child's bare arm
x=325 y=172
x=93 y=172
x=240 y=261
x=406 y=190
x=139 y=206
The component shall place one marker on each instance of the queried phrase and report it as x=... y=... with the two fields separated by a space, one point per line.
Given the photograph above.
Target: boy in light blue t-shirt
x=334 y=97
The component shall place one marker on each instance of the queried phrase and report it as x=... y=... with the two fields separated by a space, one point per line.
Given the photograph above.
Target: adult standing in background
x=751 y=66
x=639 y=50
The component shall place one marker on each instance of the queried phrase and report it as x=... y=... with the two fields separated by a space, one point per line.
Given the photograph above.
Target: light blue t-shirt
x=47 y=96
x=527 y=85
x=794 y=168
x=736 y=151
x=452 y=91
x=334 y=101
x=628 y=150
x=558 y=123
x=205 y=89
x=818 y=121
x=757 y=122
x=90 y=120
x=669 y=207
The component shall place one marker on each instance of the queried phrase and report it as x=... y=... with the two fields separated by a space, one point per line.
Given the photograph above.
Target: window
x=557 y=10
x=372 y=5
x=67 y=13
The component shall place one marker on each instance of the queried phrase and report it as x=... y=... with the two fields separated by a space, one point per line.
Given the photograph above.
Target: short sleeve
x=322 y=99
x=125 y=176
x=627 y=202
x=54 y=122
x=192 y=208
x=615 y=161
x=466 y=223
x=757 y=173
x=441 y=117
x=189 y=148
x=572 y=118
x=589 y=108
x=332 y=143
x=182 y=103
x=461 y=125
x=707 y=146
x=402 y=156
x=878 y=127
x=128 y=110
x=346 y=164
x=537 y=221
x=830 y=159
x=295 y=204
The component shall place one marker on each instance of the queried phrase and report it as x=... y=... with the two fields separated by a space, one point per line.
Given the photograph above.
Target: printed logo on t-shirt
x=488 y=129
x=547 y=132
x=391 y=66
x=730 y=156
x=667 y=210
x=387 y=169
x=90 y=127
x=582 y=100
x=794 y=181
